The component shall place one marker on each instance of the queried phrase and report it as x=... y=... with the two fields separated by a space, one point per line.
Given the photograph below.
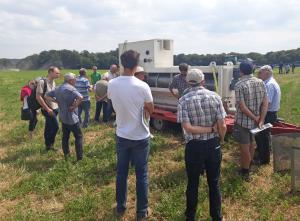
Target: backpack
x=32 y=101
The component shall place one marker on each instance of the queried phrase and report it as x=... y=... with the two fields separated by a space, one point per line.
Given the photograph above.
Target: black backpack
x=32 y=101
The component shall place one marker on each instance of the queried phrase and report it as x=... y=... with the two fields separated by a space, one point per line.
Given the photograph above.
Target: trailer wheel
x=158 y=124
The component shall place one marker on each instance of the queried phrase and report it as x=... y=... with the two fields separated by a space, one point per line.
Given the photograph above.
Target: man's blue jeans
x=138 y=151
x=110 y=109
x=51 y=128
x=84 y=106
x=99 y=105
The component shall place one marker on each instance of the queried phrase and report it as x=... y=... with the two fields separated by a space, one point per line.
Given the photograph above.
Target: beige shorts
x=242 y=135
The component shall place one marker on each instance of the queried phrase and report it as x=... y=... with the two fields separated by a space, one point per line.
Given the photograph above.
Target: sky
x=196 y=26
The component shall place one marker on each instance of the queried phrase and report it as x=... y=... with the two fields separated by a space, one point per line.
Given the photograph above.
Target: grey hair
x=267 y=68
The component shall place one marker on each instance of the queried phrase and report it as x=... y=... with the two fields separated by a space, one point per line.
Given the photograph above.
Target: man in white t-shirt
x=132 y=100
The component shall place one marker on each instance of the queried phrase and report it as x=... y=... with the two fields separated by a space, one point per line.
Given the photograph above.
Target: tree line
x=68 y=59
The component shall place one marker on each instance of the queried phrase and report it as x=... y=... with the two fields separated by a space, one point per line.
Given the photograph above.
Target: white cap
x=139 y=69
x=69 y=76
x=194 y=76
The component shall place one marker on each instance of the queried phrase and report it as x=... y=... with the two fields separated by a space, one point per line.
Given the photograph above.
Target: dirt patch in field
x=238 y=211
x=7 y=207
x=51 y=205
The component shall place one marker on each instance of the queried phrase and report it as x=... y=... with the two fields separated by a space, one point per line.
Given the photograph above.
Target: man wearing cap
x=140 y=73
x=95 y=76
x=49 y=108
x=179 y=81
x=263 y=139
x=84 y=87
x=202 y=115
x=68 y=99
x=251 y=108
x=130 y=98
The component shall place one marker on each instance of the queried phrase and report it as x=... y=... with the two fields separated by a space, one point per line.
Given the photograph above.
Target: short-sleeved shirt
x=128 y=95
x=200 y=107
x=83 y=85
x=274 y=94
x=50 y=87
x=101 y=89
x=251 y=91
x=65 y=96
x=179 y=83
x=95 y=76
x=109 y=76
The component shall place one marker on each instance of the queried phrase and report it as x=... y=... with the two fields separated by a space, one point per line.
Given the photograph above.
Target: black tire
x=158 y=124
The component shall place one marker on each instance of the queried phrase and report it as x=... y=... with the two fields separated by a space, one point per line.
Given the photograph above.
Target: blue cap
x=246 y=67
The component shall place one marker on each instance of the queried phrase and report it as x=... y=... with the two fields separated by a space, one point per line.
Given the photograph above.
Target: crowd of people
x=286 y=68
x=201 y=114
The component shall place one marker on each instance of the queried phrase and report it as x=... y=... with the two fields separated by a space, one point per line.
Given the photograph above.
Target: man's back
x=65 y=96
x=200 y=107
x=83 y=85
x=128 y=95
x=251 y=91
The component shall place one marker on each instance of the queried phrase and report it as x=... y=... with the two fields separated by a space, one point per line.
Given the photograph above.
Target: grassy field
x=39 y=185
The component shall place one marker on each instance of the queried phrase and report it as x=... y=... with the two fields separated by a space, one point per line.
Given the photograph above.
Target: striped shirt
x=200 y=107
x=83 y=85
x=251 y=91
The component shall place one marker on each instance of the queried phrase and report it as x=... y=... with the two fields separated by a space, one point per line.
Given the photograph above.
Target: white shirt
x=128 y=95
x=25 y=103
x=109 y=76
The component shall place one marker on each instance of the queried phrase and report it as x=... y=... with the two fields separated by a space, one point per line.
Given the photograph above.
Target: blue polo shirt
x=274 y=94
x=65 y=95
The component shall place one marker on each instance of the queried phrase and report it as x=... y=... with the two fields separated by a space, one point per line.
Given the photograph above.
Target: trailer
x=156 y=57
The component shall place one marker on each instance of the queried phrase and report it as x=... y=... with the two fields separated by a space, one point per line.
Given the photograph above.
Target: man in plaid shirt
x=201 y=115
x=179 y=81
x=251 y=108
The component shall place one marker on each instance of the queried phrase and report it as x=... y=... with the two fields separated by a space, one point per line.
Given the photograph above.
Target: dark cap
x=246 y=67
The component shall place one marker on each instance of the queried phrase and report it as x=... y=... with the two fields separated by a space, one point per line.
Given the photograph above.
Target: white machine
x=156 y=56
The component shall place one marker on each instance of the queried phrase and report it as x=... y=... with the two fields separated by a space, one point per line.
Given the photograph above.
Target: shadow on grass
x=19 y=155
x=39 y=165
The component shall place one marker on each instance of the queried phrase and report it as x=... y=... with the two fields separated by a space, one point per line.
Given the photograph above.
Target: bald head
x=265 y=72
x=113 y=68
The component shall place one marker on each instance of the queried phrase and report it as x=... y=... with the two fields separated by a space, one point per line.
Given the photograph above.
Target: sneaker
x=146 y=216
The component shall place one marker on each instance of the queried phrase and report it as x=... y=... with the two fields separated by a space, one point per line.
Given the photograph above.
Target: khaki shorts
x=242 y=135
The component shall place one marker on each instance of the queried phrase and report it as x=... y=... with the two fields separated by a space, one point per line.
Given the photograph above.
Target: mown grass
x=36 y=185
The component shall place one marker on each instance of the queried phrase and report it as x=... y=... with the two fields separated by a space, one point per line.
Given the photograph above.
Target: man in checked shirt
x=251 y=108
x=179 y=81
x=201 y=115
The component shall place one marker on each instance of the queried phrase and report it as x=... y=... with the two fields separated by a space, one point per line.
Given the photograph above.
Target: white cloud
x=196 y=26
